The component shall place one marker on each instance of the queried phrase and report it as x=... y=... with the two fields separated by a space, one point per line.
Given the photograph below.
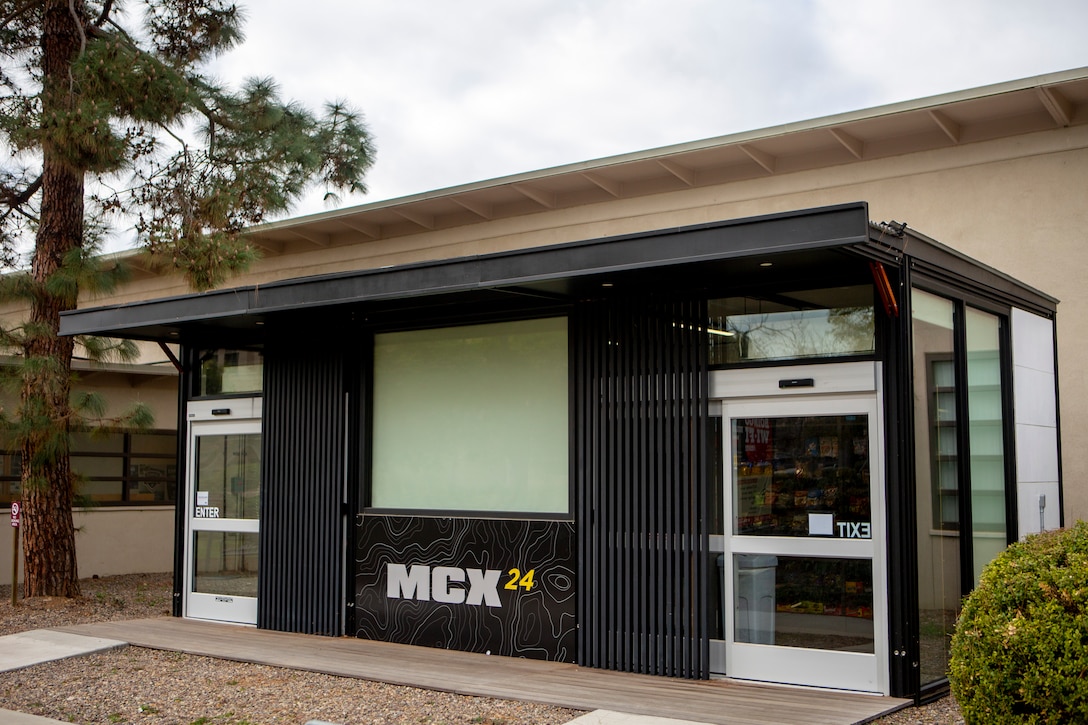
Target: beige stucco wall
x=112 y=541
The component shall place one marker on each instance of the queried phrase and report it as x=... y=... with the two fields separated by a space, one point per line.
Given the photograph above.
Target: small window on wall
x=472 y=418
x=119 y=468
x=796 y=325
x=231 y=372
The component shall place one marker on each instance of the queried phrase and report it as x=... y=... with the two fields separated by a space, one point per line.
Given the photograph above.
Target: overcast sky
x=468 y=90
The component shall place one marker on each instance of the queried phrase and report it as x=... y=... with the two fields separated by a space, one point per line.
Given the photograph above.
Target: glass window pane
x=225 y=562
x=98 y=467
x=986 y=435
x=472 y=418
x=225 y=372
x=933 y=322
x=101 y=491
x=801 y=476
x=814 y=603
x=151 y=480
x=158 y=443
x=98 y=443
x=792 y=325
x=228 y=475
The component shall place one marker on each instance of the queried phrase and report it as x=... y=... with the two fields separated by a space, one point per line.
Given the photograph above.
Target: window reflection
x=800 y=324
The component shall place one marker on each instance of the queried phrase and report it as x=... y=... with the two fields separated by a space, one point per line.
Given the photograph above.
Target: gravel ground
x=135 y=685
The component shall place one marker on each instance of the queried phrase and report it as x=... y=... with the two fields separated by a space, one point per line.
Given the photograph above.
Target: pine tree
x=111 y=118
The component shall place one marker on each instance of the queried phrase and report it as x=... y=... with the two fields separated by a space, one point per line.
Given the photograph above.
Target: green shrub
x=1020 y=650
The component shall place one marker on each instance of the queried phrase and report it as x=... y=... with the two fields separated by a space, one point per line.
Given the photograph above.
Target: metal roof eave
x=842 y=226
x=834 y=226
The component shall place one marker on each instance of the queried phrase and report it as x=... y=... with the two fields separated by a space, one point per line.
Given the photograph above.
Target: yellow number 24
x=517 y=580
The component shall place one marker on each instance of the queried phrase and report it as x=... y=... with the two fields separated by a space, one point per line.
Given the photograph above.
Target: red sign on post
x=16 y=510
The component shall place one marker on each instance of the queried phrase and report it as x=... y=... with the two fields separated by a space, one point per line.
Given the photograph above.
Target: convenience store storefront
x=777 y=448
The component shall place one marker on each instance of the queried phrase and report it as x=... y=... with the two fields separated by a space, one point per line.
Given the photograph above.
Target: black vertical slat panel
x=641 y=373
x=301 y=551
x=900 y=484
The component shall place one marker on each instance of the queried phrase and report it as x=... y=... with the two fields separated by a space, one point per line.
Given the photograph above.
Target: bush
x=1020 y=650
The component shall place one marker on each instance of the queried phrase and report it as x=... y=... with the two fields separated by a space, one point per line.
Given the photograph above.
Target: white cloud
x=460 y=92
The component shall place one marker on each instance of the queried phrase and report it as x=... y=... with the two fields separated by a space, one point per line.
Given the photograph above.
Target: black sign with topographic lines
x=497 y=586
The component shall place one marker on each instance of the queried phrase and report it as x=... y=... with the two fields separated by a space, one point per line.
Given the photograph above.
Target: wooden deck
x=465 y=673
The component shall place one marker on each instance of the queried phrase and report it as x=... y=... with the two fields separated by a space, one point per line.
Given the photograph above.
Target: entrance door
x=802 y=564
x=223 y=498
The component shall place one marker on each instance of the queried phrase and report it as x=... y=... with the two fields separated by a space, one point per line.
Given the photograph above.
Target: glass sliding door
x=223 y=501
x=803 y=560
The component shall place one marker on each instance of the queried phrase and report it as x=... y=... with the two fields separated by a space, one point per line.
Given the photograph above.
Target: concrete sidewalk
x=43 y=645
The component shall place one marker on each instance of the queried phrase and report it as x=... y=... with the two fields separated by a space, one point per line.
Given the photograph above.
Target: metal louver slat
x=641 y=416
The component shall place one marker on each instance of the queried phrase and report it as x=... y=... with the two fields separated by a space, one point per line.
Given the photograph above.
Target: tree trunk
x=48 y=530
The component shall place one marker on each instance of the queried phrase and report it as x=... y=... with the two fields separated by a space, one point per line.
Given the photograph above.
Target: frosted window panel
x=987 y=438
x=988 y=474
x=985 y=404
x=988 y=511
x=472 y=418
x=986 y=435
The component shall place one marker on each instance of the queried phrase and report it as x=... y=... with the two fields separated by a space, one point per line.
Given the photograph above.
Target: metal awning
x=565 y=272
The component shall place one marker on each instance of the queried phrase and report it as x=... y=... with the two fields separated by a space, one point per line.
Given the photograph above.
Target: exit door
x=803 y=579
x=223 y=498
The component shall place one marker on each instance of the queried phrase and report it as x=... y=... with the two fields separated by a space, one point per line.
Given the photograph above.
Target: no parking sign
x=16 y=513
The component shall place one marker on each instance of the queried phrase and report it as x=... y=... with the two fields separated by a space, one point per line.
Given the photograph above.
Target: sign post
x=16 y=511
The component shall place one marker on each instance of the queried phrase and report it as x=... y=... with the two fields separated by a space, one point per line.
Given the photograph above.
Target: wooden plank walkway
x=466 y=673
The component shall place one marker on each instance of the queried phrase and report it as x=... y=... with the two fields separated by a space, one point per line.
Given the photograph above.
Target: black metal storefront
x=629 y=585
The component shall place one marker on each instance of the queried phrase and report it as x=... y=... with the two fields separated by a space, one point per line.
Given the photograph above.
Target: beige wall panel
x=121 y=392
x=112 y=541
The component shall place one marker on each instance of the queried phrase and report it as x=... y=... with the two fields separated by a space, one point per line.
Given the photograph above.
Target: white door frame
x=218 y=417
x=794 y=665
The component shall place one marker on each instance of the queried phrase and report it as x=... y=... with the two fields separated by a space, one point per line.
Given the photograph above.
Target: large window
x=962 y=481
x=802 y=324
x=230 y=372
x=472 y=418
x=138 y=468
x=937 y=480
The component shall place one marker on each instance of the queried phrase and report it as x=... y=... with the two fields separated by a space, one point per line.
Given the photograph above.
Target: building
x=787 y=472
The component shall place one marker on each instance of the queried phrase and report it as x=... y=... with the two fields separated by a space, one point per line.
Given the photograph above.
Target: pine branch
x=12 y=199
x=103 y=16
x=14 y=14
